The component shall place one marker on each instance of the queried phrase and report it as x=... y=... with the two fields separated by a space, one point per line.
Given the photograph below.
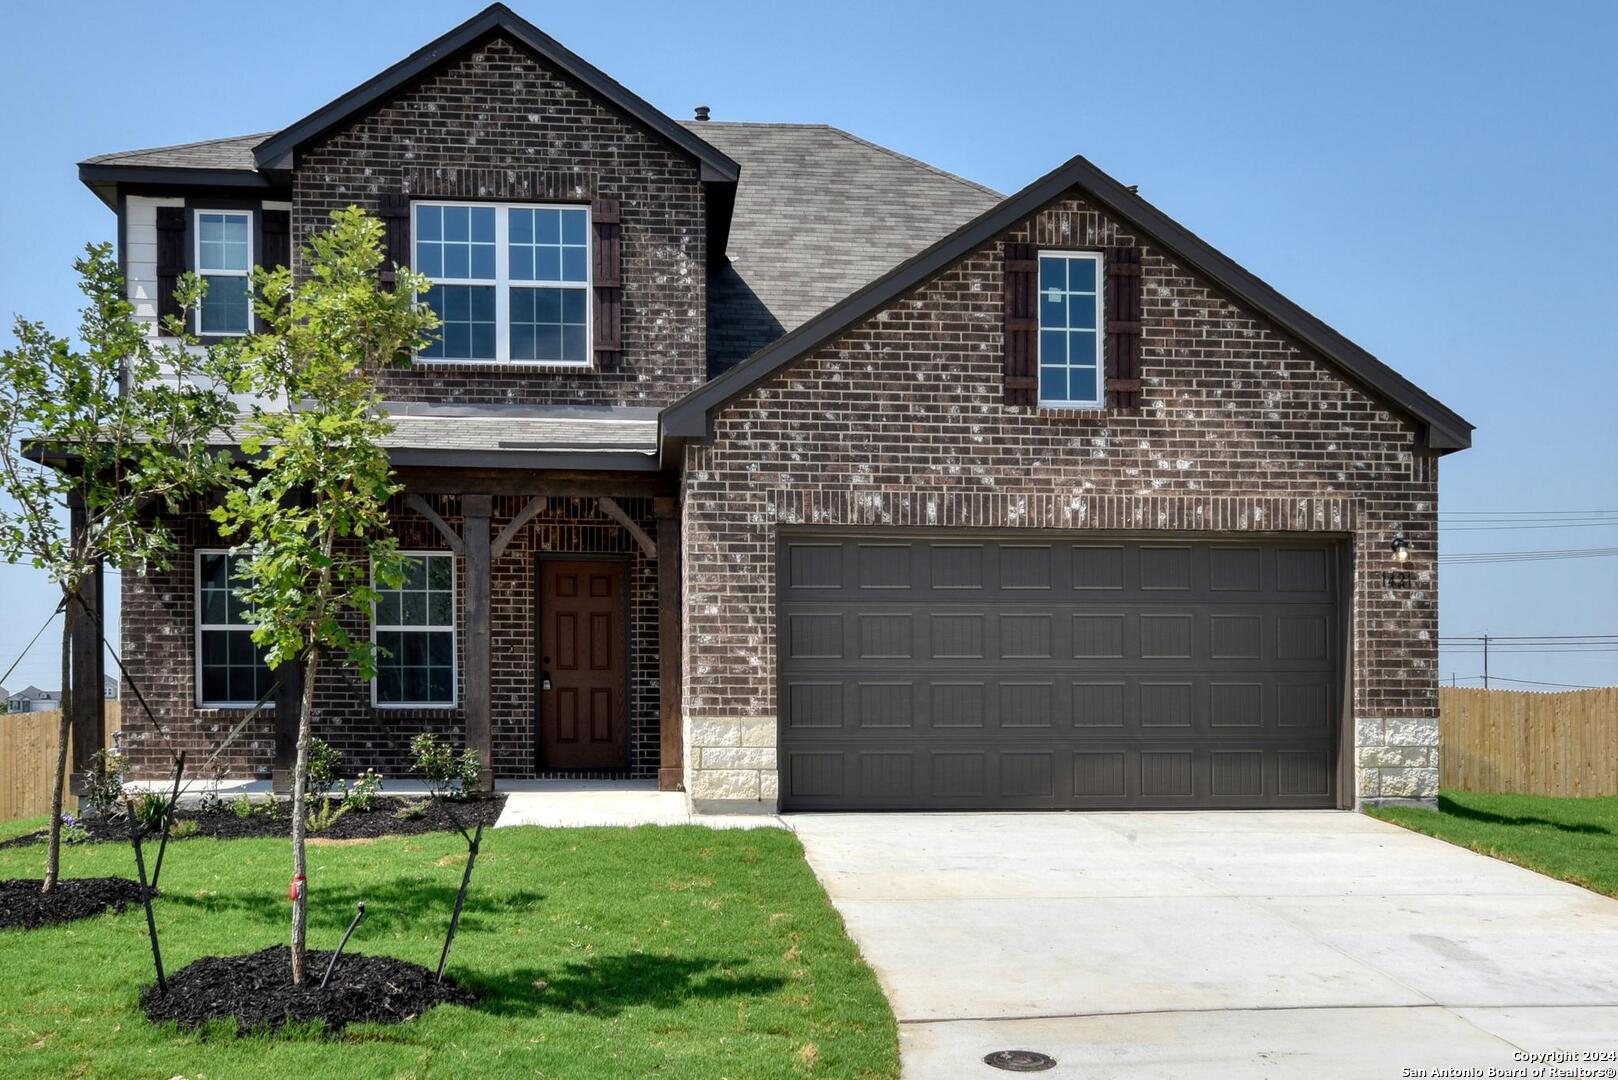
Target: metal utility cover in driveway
x=954 y=670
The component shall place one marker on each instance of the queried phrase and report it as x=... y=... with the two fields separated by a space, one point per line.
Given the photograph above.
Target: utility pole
x=1485 y=661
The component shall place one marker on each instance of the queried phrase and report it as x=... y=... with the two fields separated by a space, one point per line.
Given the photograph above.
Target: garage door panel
x=1209 y=705
x=1007 y=672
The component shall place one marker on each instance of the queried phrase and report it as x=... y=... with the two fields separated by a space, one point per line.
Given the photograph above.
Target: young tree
x=311 y=505
x=125 y=422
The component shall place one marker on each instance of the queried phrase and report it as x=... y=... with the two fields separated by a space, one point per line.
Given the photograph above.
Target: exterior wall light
x=1401 y=548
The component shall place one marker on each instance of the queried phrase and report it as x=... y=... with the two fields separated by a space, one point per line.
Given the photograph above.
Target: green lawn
x=1572 y=839
x=671 y=952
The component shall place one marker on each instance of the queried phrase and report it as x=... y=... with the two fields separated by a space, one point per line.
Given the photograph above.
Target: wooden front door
x=583 y=642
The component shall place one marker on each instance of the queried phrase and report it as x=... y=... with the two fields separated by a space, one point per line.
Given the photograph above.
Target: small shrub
x=242 y=807
x=326 y=816
x=73 y=830
x=450 y=775
x=105 y=783
x=212 y=802
x=324 y=761
x=182 y=829
x=411 y=810
x=364 y=792
x=150 y=811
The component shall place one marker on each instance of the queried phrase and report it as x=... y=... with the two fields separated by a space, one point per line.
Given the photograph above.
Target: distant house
x=32 y=699
x=109 y=688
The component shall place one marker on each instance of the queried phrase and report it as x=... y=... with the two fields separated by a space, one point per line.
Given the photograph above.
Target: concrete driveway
x=1276 y=944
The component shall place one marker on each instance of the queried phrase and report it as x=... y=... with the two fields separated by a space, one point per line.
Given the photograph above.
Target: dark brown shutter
x=276 y=229
x=1122 y=306
x=1021 y=274
x=172 y=257
x=394 y=210
x=606 y=280
x=275 y=245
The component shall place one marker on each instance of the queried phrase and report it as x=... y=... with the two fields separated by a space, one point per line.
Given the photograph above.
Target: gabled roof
x=1443 y=430
x=818 y=213
x=274 y=152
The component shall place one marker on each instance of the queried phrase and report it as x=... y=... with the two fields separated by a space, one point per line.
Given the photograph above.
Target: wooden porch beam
x=536 y=505
x=556 y=484
x=610 y=507
x=420 y=506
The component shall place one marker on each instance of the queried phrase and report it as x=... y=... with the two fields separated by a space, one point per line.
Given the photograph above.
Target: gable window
x=511 y=283
x=413 y=627
x=1070 y=372
x=224 y=259
x=231 y=672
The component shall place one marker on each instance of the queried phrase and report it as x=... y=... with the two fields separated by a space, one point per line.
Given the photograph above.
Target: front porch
x=566 y=644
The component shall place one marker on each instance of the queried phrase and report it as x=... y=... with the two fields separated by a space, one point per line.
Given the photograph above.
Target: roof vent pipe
x=702 y=113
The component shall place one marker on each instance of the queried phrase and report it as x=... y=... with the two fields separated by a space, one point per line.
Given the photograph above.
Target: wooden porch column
x=476 y=511
x=670 y=610
x=86 y=661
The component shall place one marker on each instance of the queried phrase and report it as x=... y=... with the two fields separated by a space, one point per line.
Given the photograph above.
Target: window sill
x=212 y=707
x=502 y=365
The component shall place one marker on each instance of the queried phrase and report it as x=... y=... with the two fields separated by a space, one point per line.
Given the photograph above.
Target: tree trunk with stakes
x=300 y=782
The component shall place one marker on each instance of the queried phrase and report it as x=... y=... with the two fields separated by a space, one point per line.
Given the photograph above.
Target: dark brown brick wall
x=158 y=643
x=496 y=124
x=899 y=422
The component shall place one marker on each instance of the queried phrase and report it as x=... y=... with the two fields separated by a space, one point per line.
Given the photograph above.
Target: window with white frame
x=231 y=672
x=414 y=630
x=1070 y=369
x=511 y=283
x=224 y=259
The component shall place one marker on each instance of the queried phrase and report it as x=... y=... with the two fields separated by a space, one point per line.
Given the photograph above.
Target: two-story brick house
x=792 y=471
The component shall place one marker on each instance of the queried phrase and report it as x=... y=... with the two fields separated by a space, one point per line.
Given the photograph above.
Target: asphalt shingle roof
x=232 y=153
x=611 y=431
x=819 y=213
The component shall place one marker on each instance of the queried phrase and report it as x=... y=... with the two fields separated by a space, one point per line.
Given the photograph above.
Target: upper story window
x=231 y=672
x=510 y=282
x=414 y=628
x=1069 y=321
x=224 y=259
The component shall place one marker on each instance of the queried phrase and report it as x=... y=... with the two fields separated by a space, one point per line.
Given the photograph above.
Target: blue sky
x=1434 y=179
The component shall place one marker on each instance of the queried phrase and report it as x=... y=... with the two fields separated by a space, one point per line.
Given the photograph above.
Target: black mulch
x=383 y=820
x=257 y=992
x=24 y=907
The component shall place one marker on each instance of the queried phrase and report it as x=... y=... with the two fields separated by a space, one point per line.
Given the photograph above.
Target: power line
x=1523 y=513
x=1526 y=682
x=1471 y=557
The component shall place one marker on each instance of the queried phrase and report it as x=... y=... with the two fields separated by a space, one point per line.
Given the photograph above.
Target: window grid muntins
x=224 y=260
x=414 y=628
x=231 y=672
x=1070 y=370
x=510 y=282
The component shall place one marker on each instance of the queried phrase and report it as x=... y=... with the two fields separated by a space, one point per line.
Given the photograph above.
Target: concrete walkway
x=1280 y=944
x=574 y=803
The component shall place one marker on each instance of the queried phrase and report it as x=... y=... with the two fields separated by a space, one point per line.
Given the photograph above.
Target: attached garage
x=1019 y=670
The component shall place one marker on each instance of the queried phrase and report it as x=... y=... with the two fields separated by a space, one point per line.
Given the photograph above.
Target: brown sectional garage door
x=993 y=671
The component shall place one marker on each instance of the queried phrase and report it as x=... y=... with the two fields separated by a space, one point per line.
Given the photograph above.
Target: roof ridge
x=929 y=166
x=260 y=135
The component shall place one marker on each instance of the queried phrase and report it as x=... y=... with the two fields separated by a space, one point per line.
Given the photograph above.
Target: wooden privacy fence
x=27 y=753
x=1523 y=742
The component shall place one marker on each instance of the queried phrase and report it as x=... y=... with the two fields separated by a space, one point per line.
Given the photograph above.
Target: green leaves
x=312 y=504
x=131 y=420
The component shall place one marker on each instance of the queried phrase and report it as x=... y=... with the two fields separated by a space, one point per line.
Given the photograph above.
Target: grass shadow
x=403 y=901
x=1447 y=805
x=607 y=985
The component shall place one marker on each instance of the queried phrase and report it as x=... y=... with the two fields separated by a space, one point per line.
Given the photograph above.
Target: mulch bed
x=382 y=820
x=257 y=993
x=24 y=907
